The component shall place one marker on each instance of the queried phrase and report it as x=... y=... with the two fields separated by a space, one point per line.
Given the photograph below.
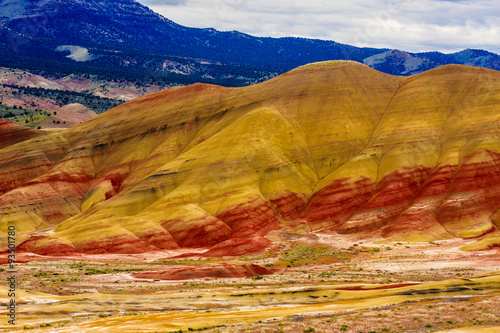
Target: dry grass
x=427 y=316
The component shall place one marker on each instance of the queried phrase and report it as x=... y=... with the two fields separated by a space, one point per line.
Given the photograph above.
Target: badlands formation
x=328 y=148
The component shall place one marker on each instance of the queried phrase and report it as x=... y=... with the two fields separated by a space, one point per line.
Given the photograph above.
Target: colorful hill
x=333 y=147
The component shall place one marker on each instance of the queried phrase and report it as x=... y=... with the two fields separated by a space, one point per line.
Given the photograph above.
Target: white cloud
x=411 y=25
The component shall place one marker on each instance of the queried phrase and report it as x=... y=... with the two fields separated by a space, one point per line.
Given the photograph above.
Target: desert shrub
x=306 y=252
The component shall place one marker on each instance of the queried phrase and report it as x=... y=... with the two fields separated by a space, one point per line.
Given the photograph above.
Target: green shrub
x=306 y=252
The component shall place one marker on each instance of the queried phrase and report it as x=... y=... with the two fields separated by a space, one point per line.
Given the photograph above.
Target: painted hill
x=333 y=147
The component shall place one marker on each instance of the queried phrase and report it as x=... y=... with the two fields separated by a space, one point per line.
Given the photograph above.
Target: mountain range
x=332 y=147
x=122 y=38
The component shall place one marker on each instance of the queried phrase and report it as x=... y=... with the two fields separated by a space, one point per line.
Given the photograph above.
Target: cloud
x=150 y=3
x=411 y=25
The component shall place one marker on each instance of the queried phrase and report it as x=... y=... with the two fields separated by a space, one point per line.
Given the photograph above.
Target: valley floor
x=321 y=283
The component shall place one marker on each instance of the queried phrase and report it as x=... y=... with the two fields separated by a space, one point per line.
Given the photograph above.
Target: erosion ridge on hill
x=326 y=148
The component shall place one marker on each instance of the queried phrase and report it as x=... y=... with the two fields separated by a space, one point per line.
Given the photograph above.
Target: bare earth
x=352 y=287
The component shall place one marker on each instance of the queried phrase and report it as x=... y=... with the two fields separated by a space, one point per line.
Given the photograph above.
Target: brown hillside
x=11 y=133
x=68 y=116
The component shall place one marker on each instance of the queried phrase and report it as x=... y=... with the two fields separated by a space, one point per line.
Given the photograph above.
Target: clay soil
x=319 y=283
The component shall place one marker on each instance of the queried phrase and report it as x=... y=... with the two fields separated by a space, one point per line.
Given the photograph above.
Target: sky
x=414 y=26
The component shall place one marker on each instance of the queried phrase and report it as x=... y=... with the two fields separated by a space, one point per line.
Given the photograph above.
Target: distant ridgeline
x=96 y=37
